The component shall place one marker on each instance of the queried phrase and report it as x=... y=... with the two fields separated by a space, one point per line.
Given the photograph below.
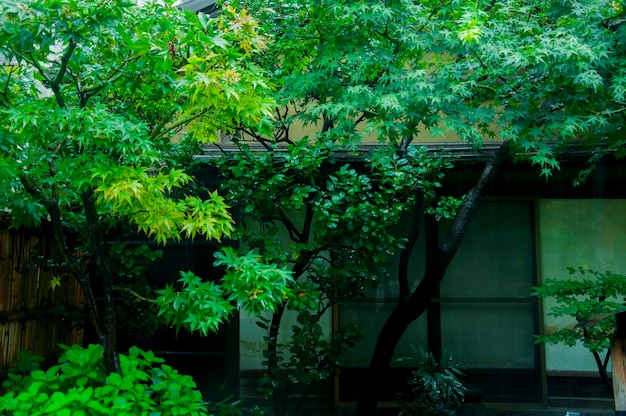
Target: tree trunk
x=602 y=364
x=409 y=308
x=108 y=338
x=279 y=393
x=104 y=327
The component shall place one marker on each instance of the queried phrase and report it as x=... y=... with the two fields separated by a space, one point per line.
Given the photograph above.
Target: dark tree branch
x=328 y=124
x=291 y=227
x=602 y=369
x=405 y=255
x=409 y=309
x=134 y=294
x=488 y=178
x=607 y=357
x=113 y=76
x=95 y=240
x=55 y=84
x=39 y=69
x=403 y=147
x=257 y=137
x=78 y=269
x=64 y=62
x=273 y=367
x=361 y=118
x=308 y=221
x=282 y=133
x=5 y=90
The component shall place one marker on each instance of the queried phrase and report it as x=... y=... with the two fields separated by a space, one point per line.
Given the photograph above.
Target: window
x=484 y=315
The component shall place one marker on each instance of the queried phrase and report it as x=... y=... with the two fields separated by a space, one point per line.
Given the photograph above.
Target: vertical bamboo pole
x=5 y=269
x=5 y=283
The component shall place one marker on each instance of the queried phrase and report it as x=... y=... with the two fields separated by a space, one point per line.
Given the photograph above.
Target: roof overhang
x=197 y=6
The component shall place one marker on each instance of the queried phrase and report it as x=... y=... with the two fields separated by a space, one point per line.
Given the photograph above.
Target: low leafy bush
x=436 y=387
x=78 y=385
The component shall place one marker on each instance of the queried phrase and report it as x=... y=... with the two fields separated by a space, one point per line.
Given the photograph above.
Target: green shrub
x=436 y=389
x=592 y=299
x=78 y=385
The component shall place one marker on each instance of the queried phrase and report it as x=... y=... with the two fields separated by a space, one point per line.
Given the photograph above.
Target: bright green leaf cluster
x=146 y=200
x=99 y=104
x=78 y=385
x=198 y=305
x=252 y=284
x=547 y=77
x=248 y=283
x=95 y=96
x=595 y=294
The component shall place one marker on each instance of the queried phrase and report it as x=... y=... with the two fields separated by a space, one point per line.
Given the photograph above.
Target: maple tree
x=536 y=80
x=101 y=103
x=593 y=299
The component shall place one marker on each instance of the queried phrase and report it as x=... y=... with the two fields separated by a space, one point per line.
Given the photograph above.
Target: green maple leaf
x=55 y=282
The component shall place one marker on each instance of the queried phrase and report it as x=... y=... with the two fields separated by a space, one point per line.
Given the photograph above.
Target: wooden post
x=618 y=356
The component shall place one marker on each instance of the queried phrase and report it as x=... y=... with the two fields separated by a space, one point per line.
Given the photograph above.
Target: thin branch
x=95 y=241
x=133 y=293
x=283 y=126
x=291 y=227
x=323 y=308
x=361 y=118
x=612 y=25
x=113 y=76
x=5 y=92
x=221 y=149
x=486 y=87
x=39 y=69
x=257 y=137
x=430 y=17
x=103 y=3
x=159 y=127
x=157 y=135
x=610 y=113
x=303 y=397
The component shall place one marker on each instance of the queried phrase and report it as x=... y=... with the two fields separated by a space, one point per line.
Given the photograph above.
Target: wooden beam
x=618 y=355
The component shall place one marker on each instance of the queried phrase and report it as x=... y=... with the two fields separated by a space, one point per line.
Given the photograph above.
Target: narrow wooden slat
x=5 y=268
x=15 y=288
x=4 y=346
x=15 y=341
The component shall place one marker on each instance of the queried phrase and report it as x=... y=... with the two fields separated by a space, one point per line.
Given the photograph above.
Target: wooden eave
x=459 y=151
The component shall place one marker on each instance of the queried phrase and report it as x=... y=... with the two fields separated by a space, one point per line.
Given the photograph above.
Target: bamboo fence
x=31 y=311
